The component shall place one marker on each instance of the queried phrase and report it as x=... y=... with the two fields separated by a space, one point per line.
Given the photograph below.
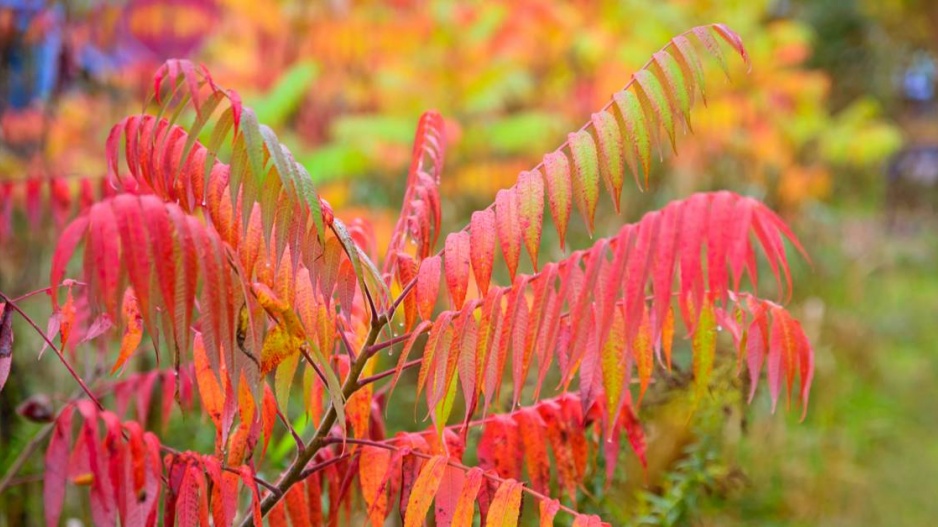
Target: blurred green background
x=832 y=127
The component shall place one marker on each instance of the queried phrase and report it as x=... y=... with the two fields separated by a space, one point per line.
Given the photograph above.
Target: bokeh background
x=835 y=126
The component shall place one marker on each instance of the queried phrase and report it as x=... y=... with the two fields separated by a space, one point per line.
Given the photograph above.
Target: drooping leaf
x=609 y=144
x=465 y=505
x=548 y=509
x=133 y=329
x=56 y=467
x=508 y=227
x=586 y=175
x=556 y=169
x=500 y=447
x=530 y=190
x=530 y=428
x=428 y=285
x=482 y=247
x=505 y=508
x=373 y=466
x=704 y=348
x=456 y=262
x=423 y=491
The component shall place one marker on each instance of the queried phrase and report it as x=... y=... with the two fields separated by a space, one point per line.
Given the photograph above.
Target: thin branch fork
x=387 y=373
x=294 y=474
x=71 y=371
x=375 y=348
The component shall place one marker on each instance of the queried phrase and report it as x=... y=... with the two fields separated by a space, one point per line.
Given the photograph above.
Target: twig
x=312 y=363
x=24 y=455
x=400 y=298
x=58 y=352
x=375 y=348
x=309 y=471
x=296 y=437
x=43 y=290
x=348 y=345
x=387 y=373
x=294 y=473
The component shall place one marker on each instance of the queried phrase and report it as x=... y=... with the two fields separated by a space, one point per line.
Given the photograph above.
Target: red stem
x=42 y=334
x=387 y=373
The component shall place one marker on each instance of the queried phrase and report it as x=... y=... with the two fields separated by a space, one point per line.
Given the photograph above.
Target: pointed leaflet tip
x=735 y=41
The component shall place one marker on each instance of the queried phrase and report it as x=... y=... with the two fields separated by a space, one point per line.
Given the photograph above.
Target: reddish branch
x=58 y=352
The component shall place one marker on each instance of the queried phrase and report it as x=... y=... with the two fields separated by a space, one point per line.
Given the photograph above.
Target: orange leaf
x=506 y=505
x=372 y=473
x=465 y=505
x=133 y=333
x=213 y=399
x=423 y=491
x=548 y=509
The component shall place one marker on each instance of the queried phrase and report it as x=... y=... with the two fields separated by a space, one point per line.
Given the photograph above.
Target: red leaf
x=56 y=467
x=499 y=447
x=456 y=262
x=508 y=227
x=247 y=476
x=558 y=434
x=6 y=342
x=530 y=191
x=531 y=430
x=633 y=429
x=448 y=495
x=407 y=272
x=428 y=285
x=548 y=509
x=559 y=191
x=64 y=249
x=297 y=507
x=482 y=247
x=583 y=520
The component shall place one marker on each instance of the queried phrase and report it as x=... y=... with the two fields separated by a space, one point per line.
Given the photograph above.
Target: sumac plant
x=250 y=287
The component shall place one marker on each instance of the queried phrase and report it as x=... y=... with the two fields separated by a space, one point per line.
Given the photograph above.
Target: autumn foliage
x=218 y=249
